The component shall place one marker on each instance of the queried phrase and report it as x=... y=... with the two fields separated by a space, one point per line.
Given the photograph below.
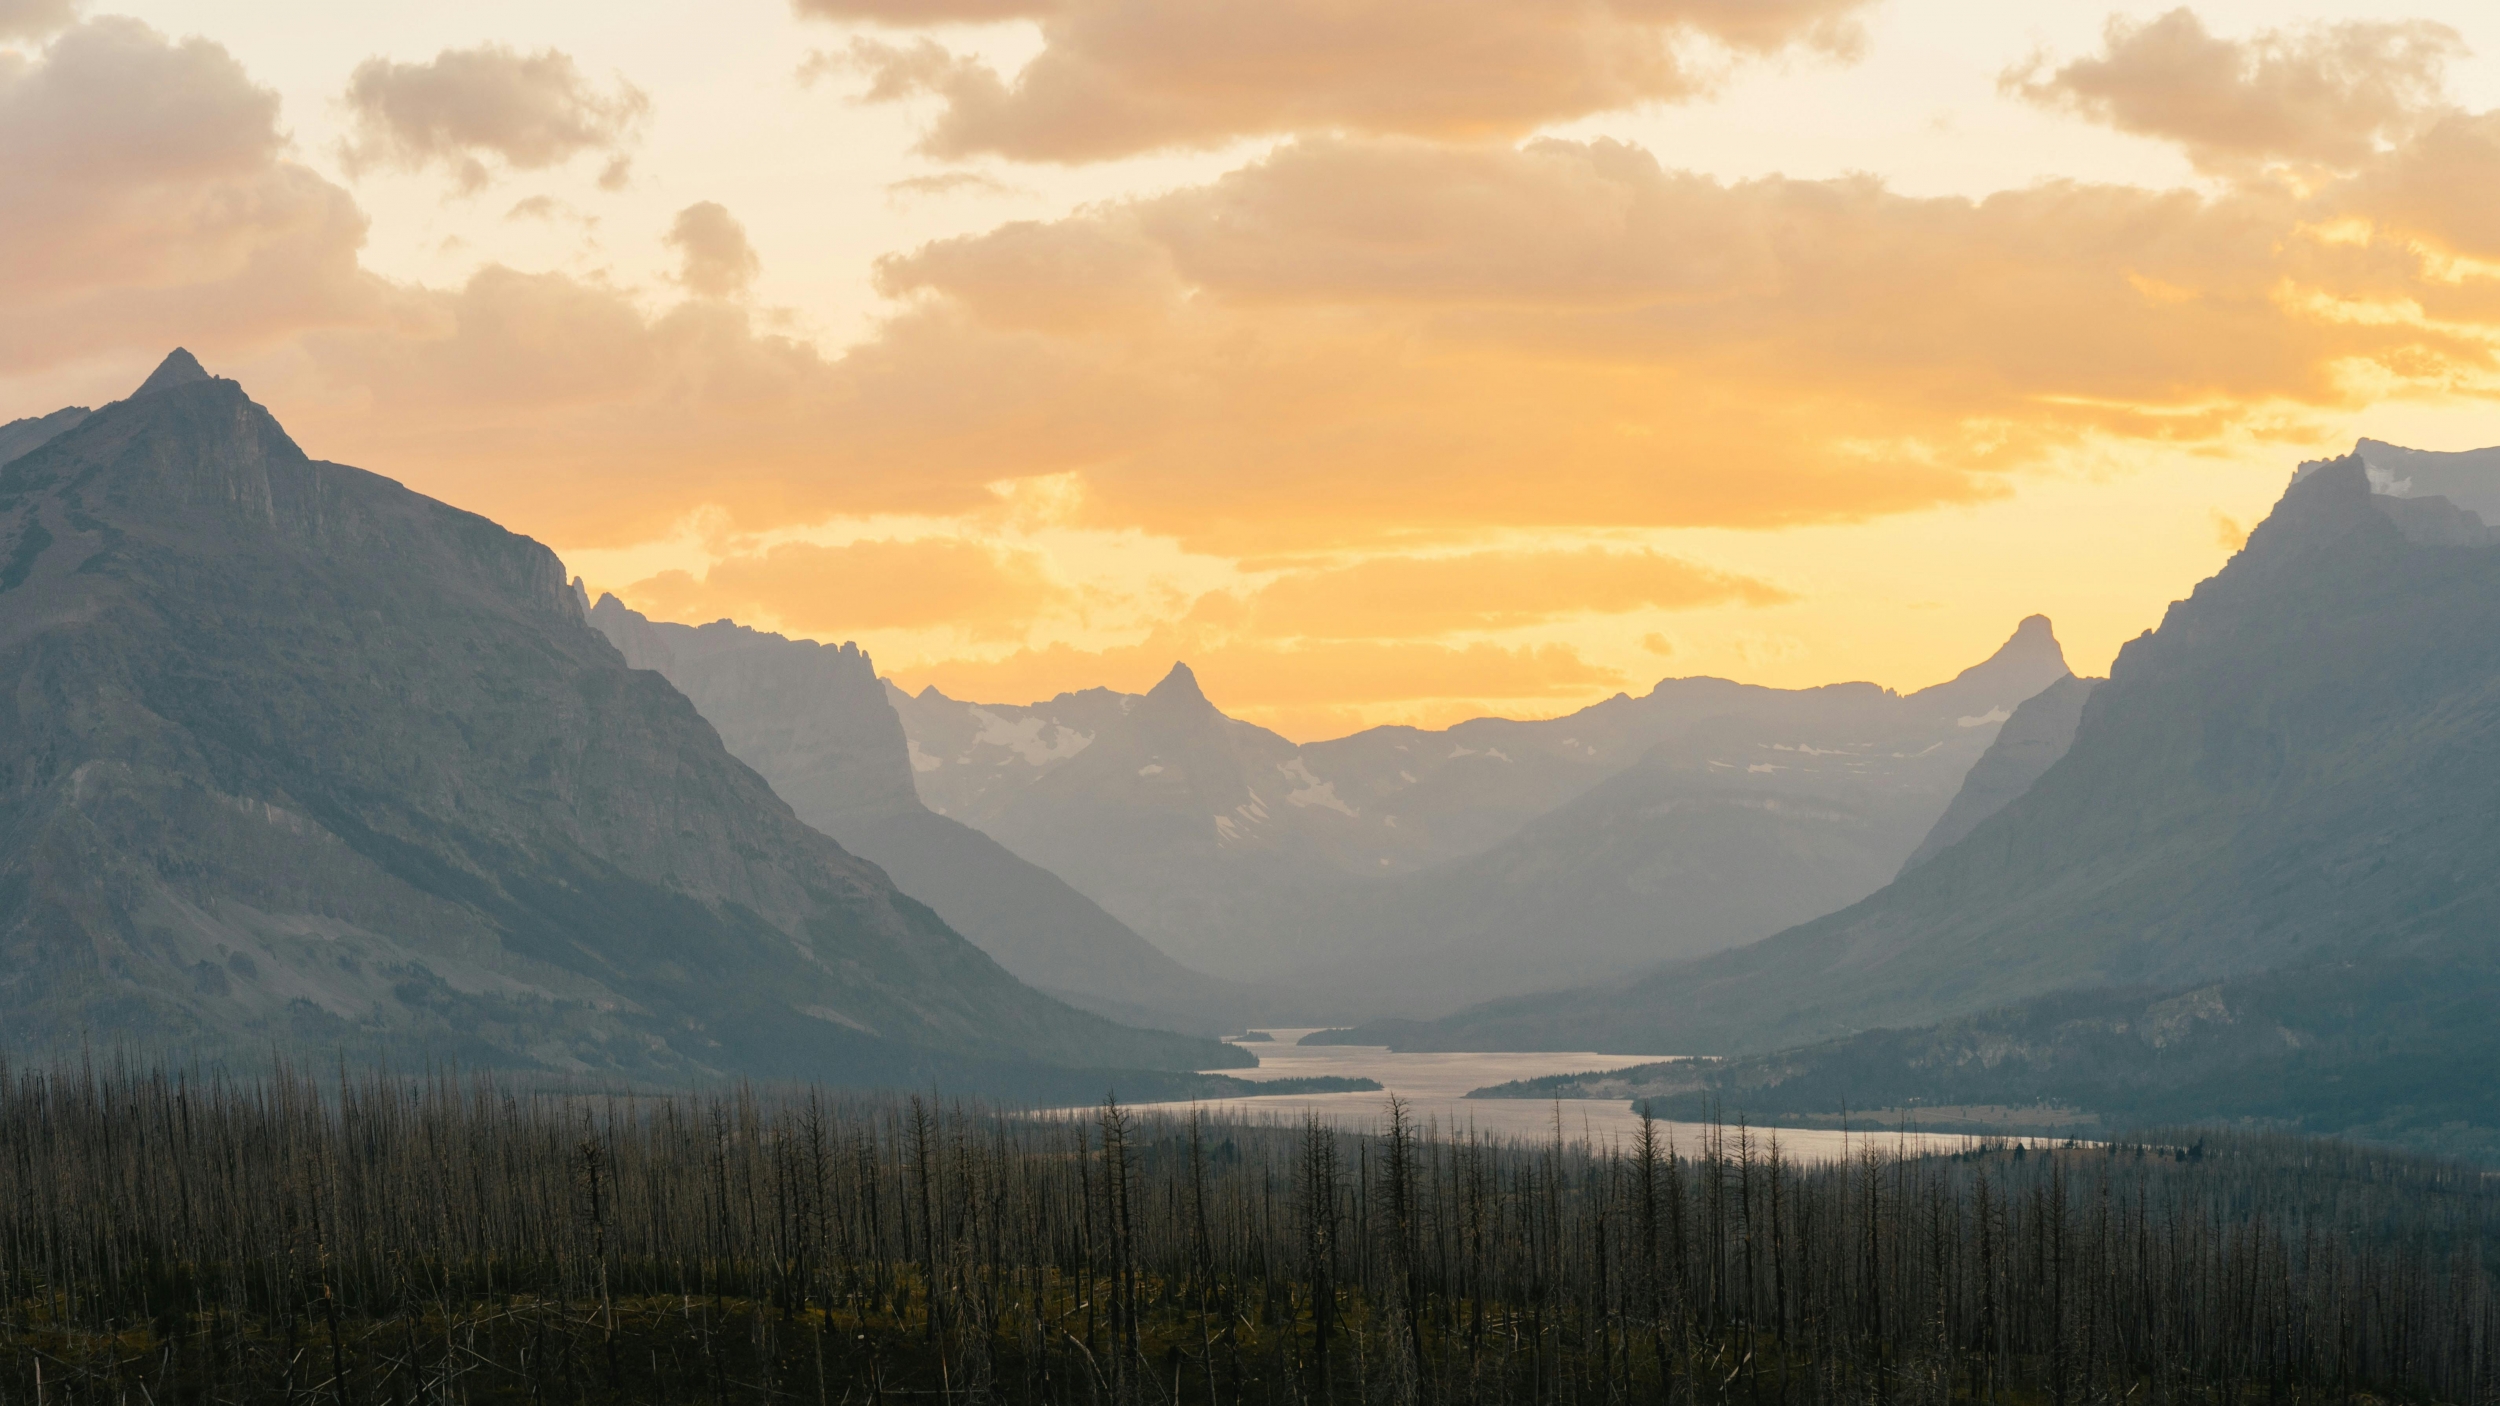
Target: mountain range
x=294 y=759
x=1403 y=868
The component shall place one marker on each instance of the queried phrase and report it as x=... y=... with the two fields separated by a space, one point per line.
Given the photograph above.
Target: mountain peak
x=179 y=368
x=2030 y=660
x=2032 y=648
x=2035 y=635
x=1179 y=686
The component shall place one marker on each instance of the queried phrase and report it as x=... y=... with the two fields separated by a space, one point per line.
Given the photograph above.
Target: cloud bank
x=472 y=111
x=1118 y=77
x=2325 y=94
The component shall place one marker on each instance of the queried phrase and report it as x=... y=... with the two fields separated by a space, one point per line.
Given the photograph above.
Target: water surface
x=1435 y=1087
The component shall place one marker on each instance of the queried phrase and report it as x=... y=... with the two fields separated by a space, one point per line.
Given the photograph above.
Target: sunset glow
x=1387 y=360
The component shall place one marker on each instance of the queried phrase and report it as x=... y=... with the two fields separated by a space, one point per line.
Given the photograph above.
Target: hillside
x=2296 y=768
x=814 y=720
x=2386 y=1050
x=295 y=759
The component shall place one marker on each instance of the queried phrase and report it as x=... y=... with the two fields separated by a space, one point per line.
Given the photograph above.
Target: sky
x=1387 y=360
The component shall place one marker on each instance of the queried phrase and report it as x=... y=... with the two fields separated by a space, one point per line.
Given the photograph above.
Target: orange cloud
x=986 y=593
x=1348 y=344
x=715 y=259
x=32 y=19
x=2326 y=94
x=2439 y=186
x=145 y=201
x=1421 y=597
x=1350 y=335
x=1116 y=77
x=1353 y=341
x=924 y=12
x=527 y=112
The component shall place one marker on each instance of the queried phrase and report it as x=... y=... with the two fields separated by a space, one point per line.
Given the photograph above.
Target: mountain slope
x=814 y=721
x=2296 y=767
x=2030 y=743
x=2385 y=1050
x=1193 y=828
x=293 y=757
x=21 y=437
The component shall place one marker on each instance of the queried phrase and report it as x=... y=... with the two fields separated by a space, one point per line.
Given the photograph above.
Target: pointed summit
x=179 y=368
x=2032 y=648
x=2028 y=661
x=2034 y=636
x=1179 y=686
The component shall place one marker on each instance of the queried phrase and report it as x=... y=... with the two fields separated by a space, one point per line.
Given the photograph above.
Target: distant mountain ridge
x=814 y=720
x=296 y=759
x=1405 y=869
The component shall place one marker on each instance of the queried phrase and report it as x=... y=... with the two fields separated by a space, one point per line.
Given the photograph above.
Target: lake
x=1435 y=1087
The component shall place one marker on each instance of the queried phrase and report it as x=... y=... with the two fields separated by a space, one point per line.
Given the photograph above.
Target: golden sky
x=1389 y=360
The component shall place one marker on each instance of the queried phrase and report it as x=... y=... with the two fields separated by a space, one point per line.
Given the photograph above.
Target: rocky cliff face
x=292 y=757
x=814 y=720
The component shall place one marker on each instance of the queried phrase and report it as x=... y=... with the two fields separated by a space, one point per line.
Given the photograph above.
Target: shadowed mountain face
x=1400 y=869
x=2030 y=743
x=814 y=720
x=293 y=757
x=2295 y=770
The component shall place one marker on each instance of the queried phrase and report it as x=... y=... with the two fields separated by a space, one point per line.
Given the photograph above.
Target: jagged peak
x=2034 y=635
x=1179 y=686
x=2324 y=490
x=2028 y=661
x=179 y=368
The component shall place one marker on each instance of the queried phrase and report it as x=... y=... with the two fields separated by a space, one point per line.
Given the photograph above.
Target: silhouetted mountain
x=814 y=720
x=2030 y=743
x=294 y=758
x=2295 y=770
